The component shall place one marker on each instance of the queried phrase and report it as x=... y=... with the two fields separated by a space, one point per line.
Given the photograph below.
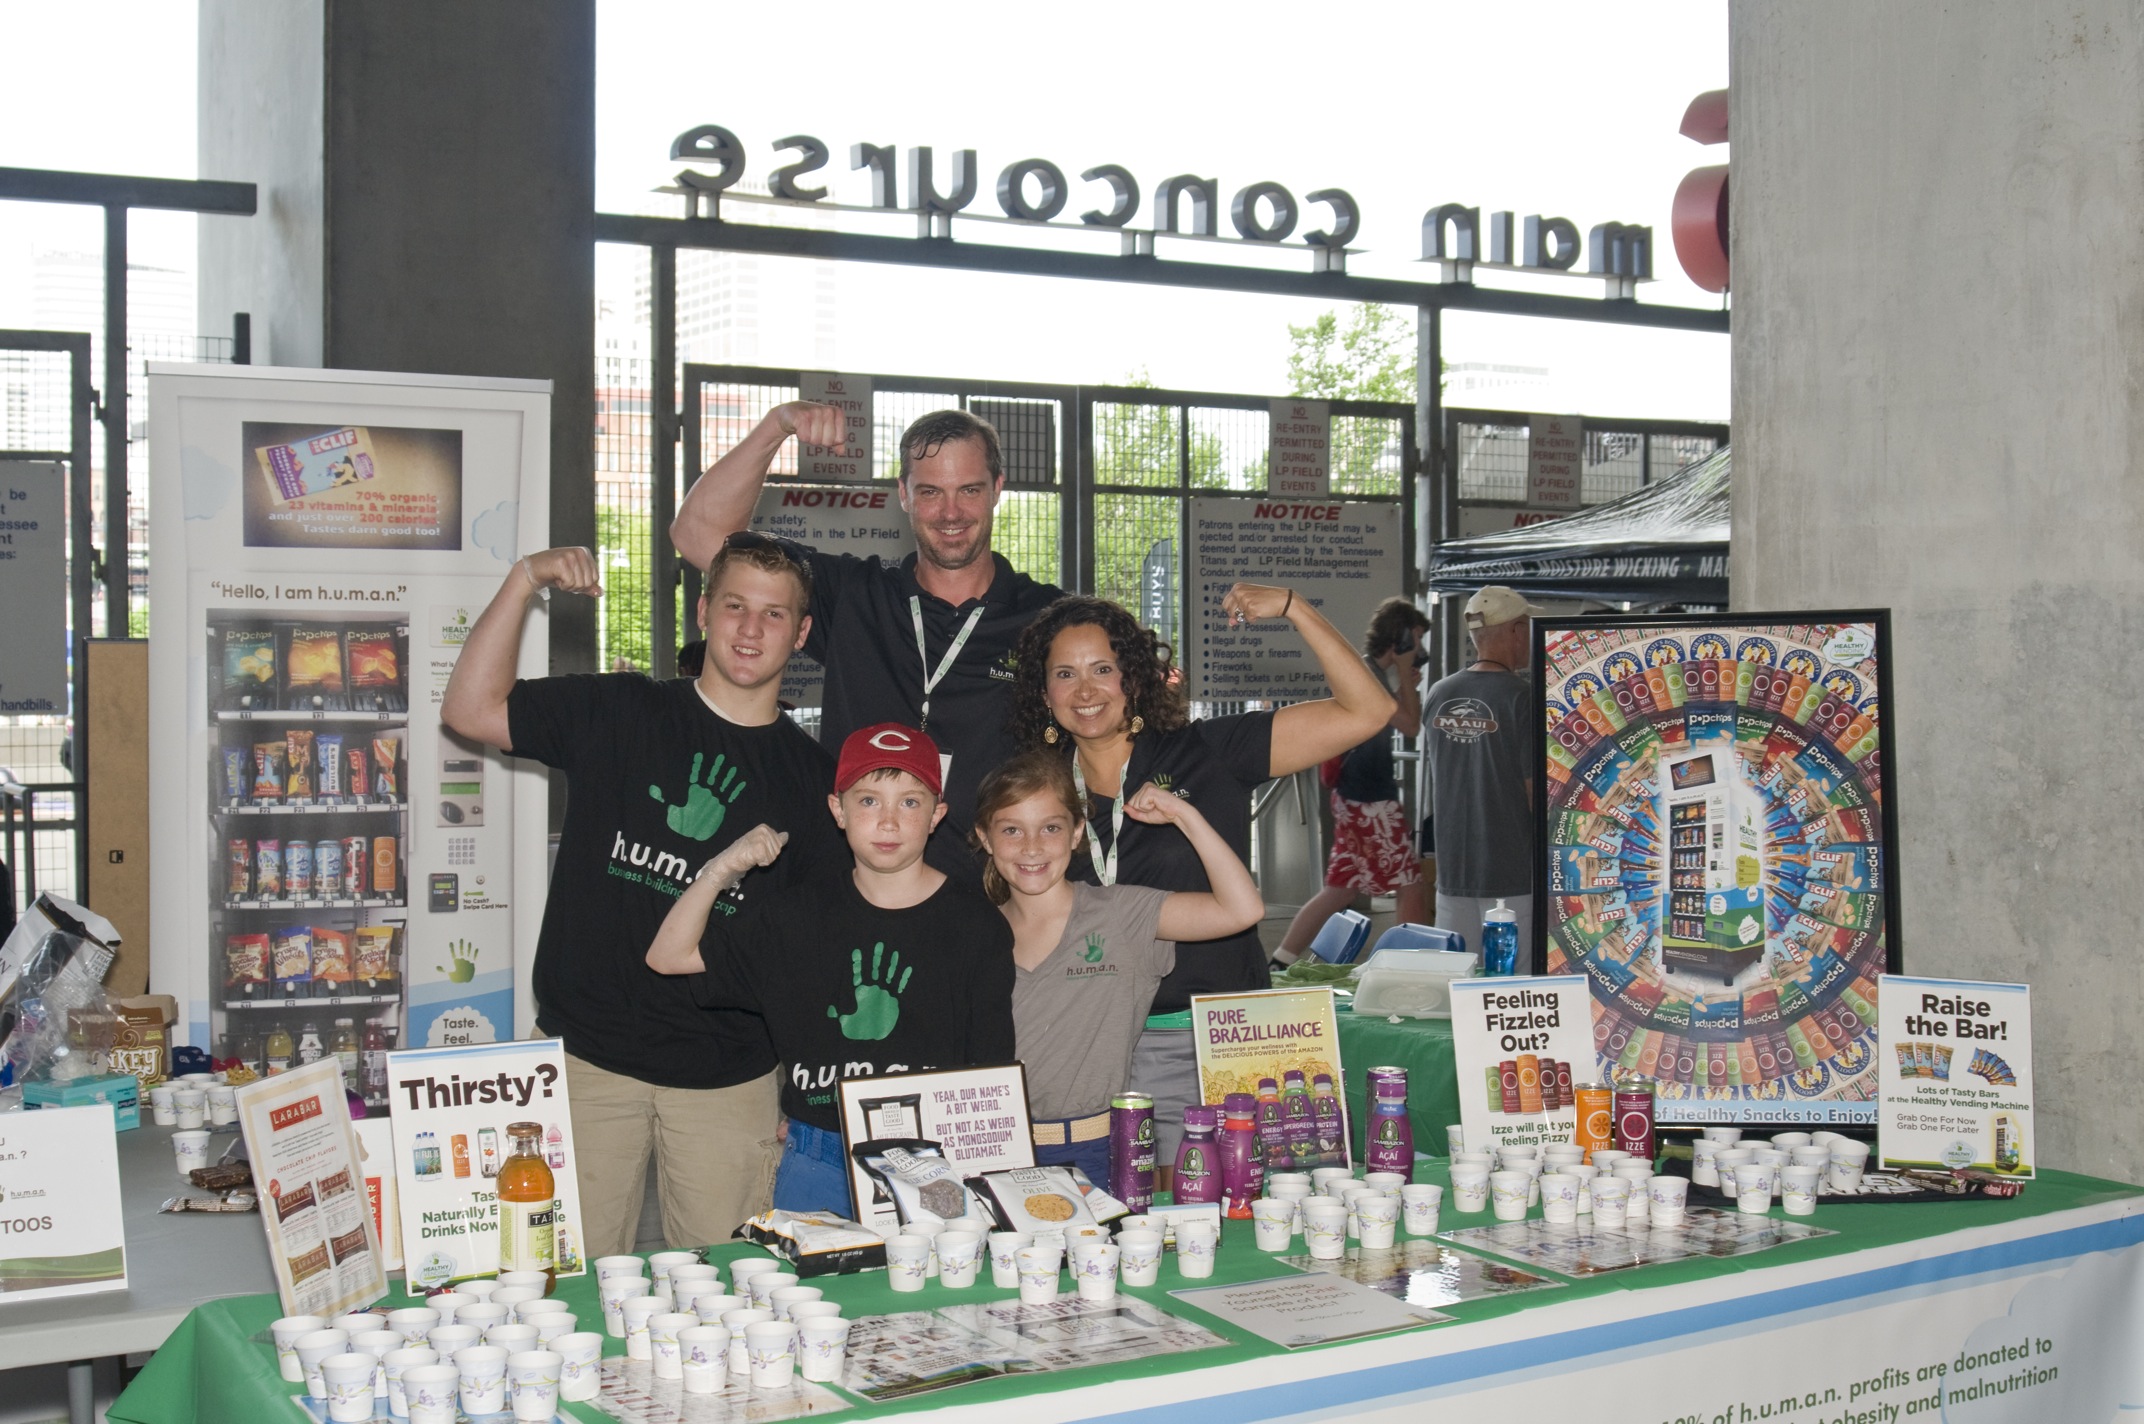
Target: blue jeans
x=1090 y=1157
x=814 y=1174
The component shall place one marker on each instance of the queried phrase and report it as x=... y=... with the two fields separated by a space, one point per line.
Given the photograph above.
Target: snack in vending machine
x=268 y=770
x=298 y=762
x=356 y=865
x=384 y=751
x=238 y=876
x=386 y=873
x=292 y=947
x=236 y=772
x=328 y=747
x=331 y=959
x=375 y=670
x=312 y=669
x=246 y=964
x=372 y=955
x=248 y=668
x=268 y=869
x=327 y=867
x=359 y=762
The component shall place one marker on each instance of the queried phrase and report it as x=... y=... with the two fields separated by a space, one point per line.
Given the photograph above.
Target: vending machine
x=334 y=874
x=1714 y=923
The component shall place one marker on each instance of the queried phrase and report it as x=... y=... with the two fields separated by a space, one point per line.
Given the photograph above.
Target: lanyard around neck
x=945 y=664
x=1105 y=866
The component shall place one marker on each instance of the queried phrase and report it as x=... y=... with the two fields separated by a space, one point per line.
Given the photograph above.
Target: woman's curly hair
x=1144 y=662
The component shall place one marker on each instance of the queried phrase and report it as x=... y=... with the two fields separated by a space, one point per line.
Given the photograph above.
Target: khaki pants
x=714 y=1148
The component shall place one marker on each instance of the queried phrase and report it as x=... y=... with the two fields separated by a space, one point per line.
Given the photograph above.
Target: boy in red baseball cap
x=888 y=968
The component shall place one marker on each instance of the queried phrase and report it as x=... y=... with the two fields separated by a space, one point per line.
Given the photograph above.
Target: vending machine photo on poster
x=1714 y=853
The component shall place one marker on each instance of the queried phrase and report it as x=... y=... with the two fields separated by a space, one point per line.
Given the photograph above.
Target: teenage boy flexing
x=662 y=775
x=885 y=968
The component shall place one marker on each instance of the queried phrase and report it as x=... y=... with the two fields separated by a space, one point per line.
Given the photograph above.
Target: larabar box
x=142 y=1046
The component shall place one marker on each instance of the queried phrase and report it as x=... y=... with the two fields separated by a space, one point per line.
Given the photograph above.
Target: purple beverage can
x=1131 y=1150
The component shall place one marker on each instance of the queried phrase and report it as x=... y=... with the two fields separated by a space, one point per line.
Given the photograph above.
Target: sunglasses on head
x=752 y=539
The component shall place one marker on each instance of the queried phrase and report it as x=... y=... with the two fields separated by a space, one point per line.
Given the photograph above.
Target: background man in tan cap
x=1475 y=733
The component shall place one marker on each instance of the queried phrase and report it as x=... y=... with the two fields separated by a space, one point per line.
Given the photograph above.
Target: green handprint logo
x=1094 y=947
x=705 y=803
x=878 y=1005
x=460 y=967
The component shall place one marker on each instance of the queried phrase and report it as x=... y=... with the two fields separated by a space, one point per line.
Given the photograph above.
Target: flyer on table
x=452 y=1108
x=59 y=1180
x=311 y=1178
x=1955 y=1063
x=1516 y=1043
x=1242 y=1039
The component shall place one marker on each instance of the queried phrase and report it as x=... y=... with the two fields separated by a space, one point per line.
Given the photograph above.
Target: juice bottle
x=1325 y=1115
x=1272 y=1131
x=461 y=1154
x=309 y=1049
x=344 y=1047
x=1297 y=1120
x=487 y=1151
x=374 y=1070
x=1240 y=1177
x=528 y=1203
x=278 y=1051
x=1198 y=1157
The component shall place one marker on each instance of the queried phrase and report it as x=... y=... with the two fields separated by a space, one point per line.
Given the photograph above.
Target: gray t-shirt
x=1481 y=753
x=1077 y=1015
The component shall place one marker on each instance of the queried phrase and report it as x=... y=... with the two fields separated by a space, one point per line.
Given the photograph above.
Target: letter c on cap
x=901 y=742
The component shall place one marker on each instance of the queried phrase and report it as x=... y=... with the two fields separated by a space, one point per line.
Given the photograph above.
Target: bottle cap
x=1325 y=1078
x=1201 y=1117
x=1239 y=1104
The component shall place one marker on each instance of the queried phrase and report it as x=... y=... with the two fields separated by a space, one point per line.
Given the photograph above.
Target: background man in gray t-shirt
x=1480 y=746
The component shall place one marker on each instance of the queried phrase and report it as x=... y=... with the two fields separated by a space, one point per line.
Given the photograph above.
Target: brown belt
x=1079 y=1129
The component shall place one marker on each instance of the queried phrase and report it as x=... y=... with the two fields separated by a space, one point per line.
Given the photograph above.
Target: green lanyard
x=1105 y=866
x=945 y=664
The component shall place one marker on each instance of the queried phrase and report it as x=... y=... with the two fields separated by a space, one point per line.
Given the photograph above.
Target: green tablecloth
x=213 y=1369
x=1424 y=1048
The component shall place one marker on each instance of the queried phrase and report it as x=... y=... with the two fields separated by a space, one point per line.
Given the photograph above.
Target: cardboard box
x=121 y=1090
x=143 y=1044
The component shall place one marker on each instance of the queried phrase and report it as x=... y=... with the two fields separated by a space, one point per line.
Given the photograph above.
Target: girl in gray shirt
x=1088 y=957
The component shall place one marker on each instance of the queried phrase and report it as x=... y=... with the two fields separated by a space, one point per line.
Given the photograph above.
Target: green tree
x=1369 y=354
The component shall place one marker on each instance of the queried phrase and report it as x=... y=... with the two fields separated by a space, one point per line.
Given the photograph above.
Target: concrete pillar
x=428 y=176
x=1938 y=246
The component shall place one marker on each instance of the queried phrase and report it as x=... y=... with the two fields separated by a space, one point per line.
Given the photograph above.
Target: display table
x=1424 y=1048
x=173 y=1264
x=1897 y=1289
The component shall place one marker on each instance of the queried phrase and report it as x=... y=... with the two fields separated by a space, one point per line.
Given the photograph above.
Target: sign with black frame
x=1715 y=853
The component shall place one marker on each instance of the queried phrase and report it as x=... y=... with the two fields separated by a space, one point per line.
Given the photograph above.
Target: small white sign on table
x=450 y=1108
x=1310 y=1309
x=1299 y=456
x=61 y=1230
x=1555 y=461
x=1954 y=1072
x=977 y=1116
x=1514 y=1043
x=851 y=395
x=311 y=1179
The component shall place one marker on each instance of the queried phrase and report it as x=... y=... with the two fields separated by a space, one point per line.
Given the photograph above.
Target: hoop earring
x=1049 y=734
x=1138 y=725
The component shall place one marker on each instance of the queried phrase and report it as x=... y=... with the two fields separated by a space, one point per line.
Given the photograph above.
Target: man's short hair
x=771 y=556
x=927 y=433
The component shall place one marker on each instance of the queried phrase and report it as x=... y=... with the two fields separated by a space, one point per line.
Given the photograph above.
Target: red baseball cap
x=888 y=744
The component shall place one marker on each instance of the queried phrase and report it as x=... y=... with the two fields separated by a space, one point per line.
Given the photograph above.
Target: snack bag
x=359 y=762
x=245 y=962
x=375 y=666
x=292 y=949
x=313 y=661
x=236 y=763
x=238 y=881
x=924 y=1185
x=331 y=956
x=373 y=954
x=1044 y=1200
x=248 y=663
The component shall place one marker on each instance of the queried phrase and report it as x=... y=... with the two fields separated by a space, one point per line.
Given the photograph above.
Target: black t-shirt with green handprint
x=658 y=784
x=853 y=991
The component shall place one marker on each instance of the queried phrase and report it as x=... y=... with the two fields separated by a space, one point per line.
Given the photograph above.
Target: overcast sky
x=1550 y=108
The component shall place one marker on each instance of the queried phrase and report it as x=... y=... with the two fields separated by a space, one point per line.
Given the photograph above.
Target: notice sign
x=1555 y=451
x=1344 y=558
x=311 y=1177
x=451 y=1108
x=1242 y=1038
x=1519 y=1047
x=33 y=589
x=1299 y=461
x=1955 y=1073
x=851 y=395
x=977 y=1116
x=59 y=1179
x=862 y=522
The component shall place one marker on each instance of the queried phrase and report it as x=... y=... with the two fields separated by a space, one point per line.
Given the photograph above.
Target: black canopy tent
x=1664 y=543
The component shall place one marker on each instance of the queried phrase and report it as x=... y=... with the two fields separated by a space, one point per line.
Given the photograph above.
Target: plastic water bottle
x=1500 y=941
